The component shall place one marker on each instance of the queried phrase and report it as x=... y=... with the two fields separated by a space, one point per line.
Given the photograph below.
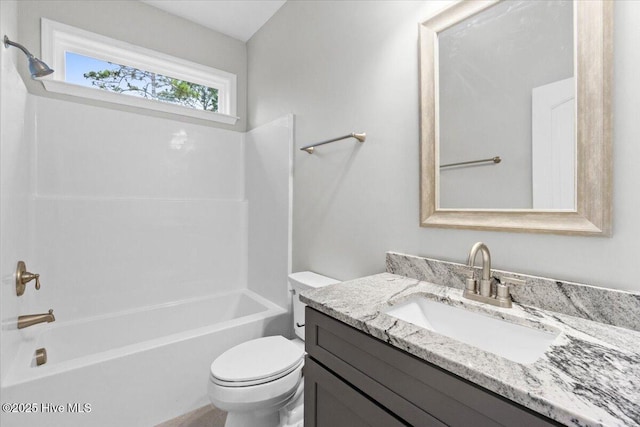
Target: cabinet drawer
x=416 y=391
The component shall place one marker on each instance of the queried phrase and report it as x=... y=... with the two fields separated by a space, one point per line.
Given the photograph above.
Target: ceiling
x=239 y=19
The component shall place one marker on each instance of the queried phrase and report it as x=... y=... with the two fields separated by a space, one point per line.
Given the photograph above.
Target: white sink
x=518 y=343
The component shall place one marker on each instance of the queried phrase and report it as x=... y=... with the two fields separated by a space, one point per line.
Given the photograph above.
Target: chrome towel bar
x=359 y=136
x=495 y=159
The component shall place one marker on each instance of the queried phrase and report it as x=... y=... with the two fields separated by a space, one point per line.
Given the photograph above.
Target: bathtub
x=133 y=368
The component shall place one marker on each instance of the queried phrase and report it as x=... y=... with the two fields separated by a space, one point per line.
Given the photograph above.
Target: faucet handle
x=503 y=296
x=23 y=277
x=502 y=291
x=506 y=280
x=27 y=277
x=471 y=284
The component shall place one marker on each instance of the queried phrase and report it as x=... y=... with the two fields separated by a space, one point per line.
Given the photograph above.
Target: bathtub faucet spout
x=34 y=319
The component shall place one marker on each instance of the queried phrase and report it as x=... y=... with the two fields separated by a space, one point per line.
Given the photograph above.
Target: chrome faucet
x=34 y=319
x=483 y=291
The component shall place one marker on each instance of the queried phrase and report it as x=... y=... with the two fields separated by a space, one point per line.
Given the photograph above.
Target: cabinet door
x=330 y=402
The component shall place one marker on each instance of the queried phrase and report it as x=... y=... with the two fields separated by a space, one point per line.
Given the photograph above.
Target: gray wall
x=353 y=66
x=142 y=25
x=489 y=64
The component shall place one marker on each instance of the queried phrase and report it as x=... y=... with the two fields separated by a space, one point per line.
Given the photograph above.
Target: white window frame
x=58 y=38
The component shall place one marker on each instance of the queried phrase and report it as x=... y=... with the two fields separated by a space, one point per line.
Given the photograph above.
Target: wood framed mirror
x=494 y=72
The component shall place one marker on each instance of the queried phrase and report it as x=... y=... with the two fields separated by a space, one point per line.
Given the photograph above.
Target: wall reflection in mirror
x=506 y=88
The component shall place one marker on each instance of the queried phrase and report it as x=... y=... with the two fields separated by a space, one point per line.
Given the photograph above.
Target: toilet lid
x=262 y=358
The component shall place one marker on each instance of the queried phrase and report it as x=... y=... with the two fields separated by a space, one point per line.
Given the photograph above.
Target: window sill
x=149 y=104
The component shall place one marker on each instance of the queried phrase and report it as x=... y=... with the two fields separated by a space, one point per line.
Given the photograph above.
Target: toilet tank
x=299 y=282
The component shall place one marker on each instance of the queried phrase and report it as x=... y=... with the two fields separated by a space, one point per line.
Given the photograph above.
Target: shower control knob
x=23 y=277
x=31 y=277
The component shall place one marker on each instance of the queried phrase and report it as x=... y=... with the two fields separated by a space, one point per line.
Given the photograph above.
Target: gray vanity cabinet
x=337 y=404
x=353 y=379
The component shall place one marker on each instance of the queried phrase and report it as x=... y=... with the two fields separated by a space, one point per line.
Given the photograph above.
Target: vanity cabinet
x=353 y=379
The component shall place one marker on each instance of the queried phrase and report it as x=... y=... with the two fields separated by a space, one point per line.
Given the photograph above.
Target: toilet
x=259 y=382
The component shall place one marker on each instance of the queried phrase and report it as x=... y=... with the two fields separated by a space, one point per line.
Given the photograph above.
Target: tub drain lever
x=41 y=356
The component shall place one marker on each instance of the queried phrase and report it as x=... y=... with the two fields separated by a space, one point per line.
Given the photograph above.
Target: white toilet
x=259 y=382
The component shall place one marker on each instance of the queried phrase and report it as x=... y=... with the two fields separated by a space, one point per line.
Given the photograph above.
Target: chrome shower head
x=37 y=68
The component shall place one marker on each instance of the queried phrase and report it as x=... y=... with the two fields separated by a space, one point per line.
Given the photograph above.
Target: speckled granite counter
x=590 y=376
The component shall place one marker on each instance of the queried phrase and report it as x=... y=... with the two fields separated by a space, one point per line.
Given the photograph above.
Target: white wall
x=15 y=187
x=268 y=156
x=133 y=210
x=344 y=66
x=143 y=25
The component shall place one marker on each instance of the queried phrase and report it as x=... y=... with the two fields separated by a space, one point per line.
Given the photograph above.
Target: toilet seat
x=258 y=381
x=256 y=362
x=256 y=397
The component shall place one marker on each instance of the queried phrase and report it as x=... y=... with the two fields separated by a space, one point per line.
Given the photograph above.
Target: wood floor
x=207 y=416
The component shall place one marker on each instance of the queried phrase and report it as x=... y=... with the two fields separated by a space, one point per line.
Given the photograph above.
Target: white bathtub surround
x=93 y=152
x=125 y=254
x=132 y=210
x=16 y=150
x=268 y=181
x=589 y=376
x=140 y=367
x=603 y=305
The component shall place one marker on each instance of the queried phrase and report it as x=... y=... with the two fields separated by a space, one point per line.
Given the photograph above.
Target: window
x=91 y=72
x=97 y=67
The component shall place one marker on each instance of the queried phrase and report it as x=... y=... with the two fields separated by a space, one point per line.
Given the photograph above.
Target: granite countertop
x=590 y=376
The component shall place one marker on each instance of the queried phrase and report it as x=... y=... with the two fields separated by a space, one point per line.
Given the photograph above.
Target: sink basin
x=518 y=343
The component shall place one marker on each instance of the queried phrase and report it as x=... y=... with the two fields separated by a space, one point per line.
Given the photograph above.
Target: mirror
x=506 y=89
x=515 y=116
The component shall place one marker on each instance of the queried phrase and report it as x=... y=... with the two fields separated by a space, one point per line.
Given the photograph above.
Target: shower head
x=37 y=68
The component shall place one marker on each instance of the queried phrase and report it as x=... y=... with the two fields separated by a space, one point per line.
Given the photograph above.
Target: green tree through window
x=133 y=81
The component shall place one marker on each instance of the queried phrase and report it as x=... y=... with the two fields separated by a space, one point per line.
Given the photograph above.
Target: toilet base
x=291 y=415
